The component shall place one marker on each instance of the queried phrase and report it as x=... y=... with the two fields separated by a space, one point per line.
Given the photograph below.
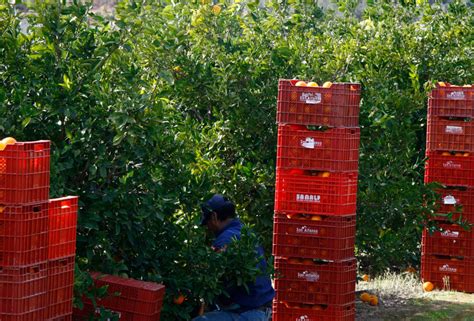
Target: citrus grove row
x=157 y=106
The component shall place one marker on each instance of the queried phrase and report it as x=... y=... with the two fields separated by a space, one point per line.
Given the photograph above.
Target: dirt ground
x=401 y=298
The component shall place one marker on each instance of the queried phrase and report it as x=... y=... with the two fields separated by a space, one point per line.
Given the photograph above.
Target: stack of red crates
x=448 y=255
x=37 y=238
x=129 y=299
x=24 y=193
x=315 y=202
x=61 y=253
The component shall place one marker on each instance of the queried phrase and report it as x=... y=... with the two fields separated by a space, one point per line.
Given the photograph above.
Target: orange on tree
x=178 y=300
x=216 y=9
x=428 y=286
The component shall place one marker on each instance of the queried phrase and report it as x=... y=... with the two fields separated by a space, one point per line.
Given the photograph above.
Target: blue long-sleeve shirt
x=260 y=292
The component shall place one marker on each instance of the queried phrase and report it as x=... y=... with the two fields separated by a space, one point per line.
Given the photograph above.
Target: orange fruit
x=325 y=174
x=353 y=88
x=465 y=154
x=216 y=9
x=327 y=84
x=9 y=140
x=315 y=218
x=300 y=84
x=2 y=145
x=179 y=299
x=312 y=84
x=2 y=208
x=366 y=277
x=410 y=269
x=428 y=286
x=373 y=300
x=365 y=297
x=458 y=154
x=441 y=84
x=445 y=154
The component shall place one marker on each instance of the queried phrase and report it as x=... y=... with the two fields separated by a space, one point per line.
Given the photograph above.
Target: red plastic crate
x=60 y=287
x=23 y=234
x=450 y=135
x=452 y=240
x=326 y=283
x=459 y=272
x=303 y=193
x=135 y=296
x=337 y=106
x=458 y=202
x=85 y=314
x=327 y=238
x=67 y=317
x=36 y=315
x=62 y=227
x=449 y=170
x=332 y=149
x=284 y=311
x=451 y=101
x=24 y=173
x=23 y=290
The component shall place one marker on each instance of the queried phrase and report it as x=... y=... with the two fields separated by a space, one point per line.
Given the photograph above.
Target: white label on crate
x=309 y=142
x=308 y=276
x=451 y=165
x=311 y=98
x=308 y=198
x=302 y=318
x=456 y=95
x=306 y=230
x=449 y=200
x=447 y=268
x=448 y=233
x=454 y=130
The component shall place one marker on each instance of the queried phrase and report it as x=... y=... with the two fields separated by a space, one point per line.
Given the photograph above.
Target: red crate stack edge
x=36 y=280
x=315 y=201
x=447 y=254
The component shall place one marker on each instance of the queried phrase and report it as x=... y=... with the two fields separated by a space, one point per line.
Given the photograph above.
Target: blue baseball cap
x=218 y=204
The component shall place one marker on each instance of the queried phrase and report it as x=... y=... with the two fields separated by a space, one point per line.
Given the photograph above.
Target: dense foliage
x=153 y=110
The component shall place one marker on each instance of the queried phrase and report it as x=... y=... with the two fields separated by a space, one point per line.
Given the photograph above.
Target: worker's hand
x=202 y=308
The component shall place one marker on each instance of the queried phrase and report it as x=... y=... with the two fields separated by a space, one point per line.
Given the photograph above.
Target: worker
x=218 y=216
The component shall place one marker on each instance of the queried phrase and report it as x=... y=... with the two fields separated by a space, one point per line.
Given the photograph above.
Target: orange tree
x=156 y=108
